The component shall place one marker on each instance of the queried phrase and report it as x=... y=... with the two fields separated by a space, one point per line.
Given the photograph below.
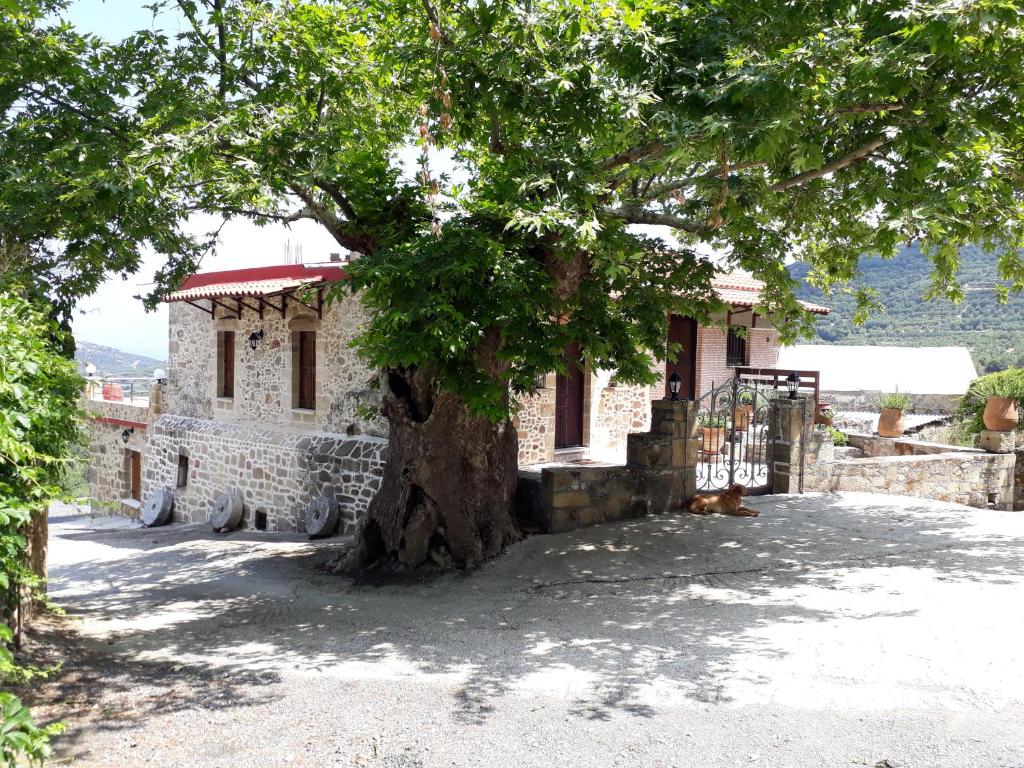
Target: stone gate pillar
x=789 y=429
x=664 y=460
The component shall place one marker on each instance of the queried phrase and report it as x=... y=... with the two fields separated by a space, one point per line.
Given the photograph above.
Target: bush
x=897 y=399
x=1008 y=383
x=39 y=427
x=839 y=439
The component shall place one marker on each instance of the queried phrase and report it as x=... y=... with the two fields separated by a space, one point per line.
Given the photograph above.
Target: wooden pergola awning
x=259 y=288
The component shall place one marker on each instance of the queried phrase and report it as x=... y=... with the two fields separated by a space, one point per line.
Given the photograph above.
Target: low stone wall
x=277 y=472
x=658 y=476
x=873 y=446
x=977 y=479
x=1018 y=481
x=109 y=471
x=867 y=400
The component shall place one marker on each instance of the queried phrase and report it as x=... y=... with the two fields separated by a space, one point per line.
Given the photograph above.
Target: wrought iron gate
x=734 y=440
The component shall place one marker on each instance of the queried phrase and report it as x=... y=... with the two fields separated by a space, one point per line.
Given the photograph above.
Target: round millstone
x=227 y=512
x=321 y=517
x=157 y=509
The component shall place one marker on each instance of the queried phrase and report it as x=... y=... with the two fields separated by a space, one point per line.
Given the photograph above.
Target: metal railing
x=118 y=389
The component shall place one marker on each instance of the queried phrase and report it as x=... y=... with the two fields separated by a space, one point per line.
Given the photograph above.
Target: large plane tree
x=487 y=163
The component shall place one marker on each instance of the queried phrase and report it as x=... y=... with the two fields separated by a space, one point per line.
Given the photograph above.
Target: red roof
x=744 y=292
x=256 y=281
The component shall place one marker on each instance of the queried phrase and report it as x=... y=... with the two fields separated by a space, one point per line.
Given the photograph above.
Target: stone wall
x=974 y=479
x=615 y=412
x=1018 y=481
x=109 y=455
x=535 y=424
x=658 y=476
x=263 y=391
x=277 y=471
x=867 y=400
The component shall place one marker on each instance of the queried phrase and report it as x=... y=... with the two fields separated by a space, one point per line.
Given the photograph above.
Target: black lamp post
x=792 y=384
x=674 y=383
x=254 y=338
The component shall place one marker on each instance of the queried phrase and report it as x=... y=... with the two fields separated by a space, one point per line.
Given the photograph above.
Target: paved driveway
x=830 y=631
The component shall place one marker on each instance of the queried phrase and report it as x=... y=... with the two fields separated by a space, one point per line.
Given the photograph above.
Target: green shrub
x=707 y=420
x=839 y=439
x=1008 y=383
x=39 y=427
x=897 y=399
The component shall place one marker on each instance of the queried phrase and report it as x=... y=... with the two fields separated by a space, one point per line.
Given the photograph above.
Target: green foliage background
x=39 y=421
x=994 y=332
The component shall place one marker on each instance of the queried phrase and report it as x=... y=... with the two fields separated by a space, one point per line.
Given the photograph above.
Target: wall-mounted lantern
x=792 y=384
x=127 y=434
x=674 y=385
x=254 y=338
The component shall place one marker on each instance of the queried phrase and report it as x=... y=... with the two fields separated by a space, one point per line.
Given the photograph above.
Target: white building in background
x=852 y=377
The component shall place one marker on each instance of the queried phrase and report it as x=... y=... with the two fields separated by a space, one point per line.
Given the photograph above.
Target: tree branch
x=836 y=165
x=656 y=193
x=640 y=216
x=341 y=231
x=641 y=152
x=335 y=193
x=882 y=106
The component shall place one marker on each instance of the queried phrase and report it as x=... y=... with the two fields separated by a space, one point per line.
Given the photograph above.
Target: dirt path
x=832 y=630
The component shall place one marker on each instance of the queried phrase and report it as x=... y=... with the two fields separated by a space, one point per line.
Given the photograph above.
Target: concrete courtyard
x=830 y=631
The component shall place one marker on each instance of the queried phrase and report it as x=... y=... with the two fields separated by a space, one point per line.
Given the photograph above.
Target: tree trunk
x=449 y=482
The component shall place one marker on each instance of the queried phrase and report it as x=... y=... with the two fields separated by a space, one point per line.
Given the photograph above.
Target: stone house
x=265 y=397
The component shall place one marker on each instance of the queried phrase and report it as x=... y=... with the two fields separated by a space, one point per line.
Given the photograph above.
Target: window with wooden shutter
x=307 y=370
x=226 y=364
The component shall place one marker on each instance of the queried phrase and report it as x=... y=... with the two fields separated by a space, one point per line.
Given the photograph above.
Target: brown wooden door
x=683 y=330
x=569 y=401
x=307 y=369
x=227 y=351
x=136 y=469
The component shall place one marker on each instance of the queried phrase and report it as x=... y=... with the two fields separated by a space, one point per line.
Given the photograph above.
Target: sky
x=112 y=316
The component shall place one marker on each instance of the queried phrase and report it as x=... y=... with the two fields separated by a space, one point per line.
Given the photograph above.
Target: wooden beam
x=258 y=309
x=200 y=306
x=237 y=311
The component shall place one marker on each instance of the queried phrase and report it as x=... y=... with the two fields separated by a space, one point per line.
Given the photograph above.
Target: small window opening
x=735 y=350
x=260 y=520
x=182 y=470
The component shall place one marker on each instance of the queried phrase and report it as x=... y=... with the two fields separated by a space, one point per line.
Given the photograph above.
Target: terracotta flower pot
x=742 y=420
x=713 y=438
x=1000 y=414
x=890 y=423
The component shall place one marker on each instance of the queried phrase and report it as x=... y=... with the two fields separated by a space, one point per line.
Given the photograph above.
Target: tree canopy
x=486 y=161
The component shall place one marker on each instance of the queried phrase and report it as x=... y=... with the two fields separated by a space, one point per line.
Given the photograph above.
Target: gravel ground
x=830 y=631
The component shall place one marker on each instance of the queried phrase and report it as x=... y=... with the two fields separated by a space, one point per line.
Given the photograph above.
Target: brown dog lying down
x=724 y=503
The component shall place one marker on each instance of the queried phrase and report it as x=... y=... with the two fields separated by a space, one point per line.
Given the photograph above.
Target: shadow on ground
x=620 y=619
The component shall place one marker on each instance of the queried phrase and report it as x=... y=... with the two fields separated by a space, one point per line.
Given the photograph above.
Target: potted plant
x=712 y=431
x=1002 y=393
x=890 y=421
x=743 y=411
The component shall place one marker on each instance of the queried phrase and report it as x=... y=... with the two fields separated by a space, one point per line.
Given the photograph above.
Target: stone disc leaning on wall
x=321 y=517
x=227 y=512
x=157 y=509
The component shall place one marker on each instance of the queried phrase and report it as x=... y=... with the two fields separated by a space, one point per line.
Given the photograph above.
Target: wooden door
x=683 y=330
x=569 y=401
x=307 y=369
x=136 y=475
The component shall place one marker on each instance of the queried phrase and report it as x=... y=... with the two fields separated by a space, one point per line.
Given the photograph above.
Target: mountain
x=114 y=362
x=993 y=332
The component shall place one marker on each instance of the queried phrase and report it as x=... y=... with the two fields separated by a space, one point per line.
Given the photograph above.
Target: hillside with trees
x=994 y=332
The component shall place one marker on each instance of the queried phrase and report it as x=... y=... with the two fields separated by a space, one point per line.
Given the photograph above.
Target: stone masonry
x=109 y=455
x=277 y=472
